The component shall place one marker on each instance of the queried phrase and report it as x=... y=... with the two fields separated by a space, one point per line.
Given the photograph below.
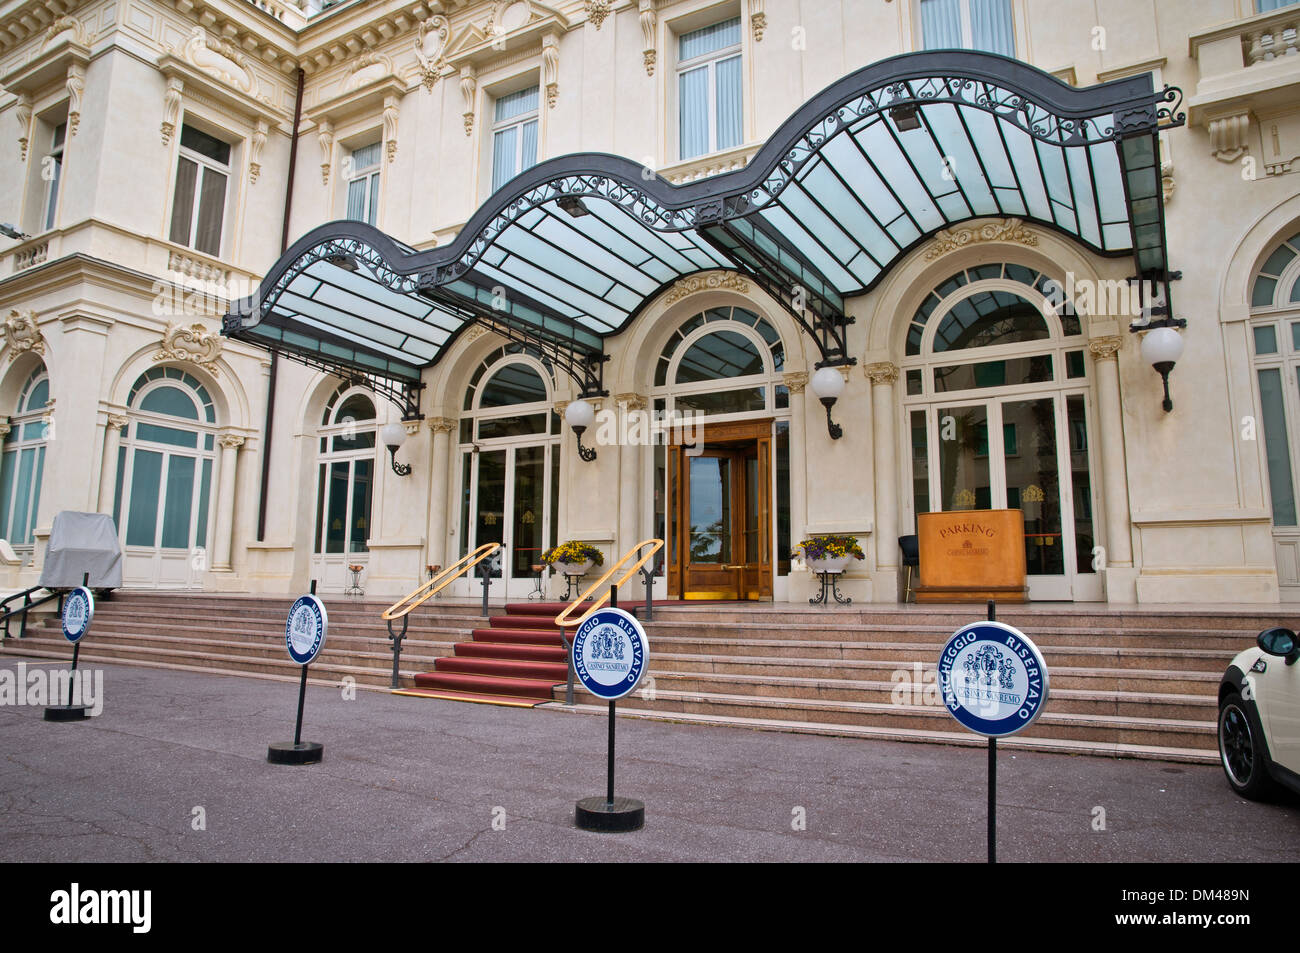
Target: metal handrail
x=562 y=620
x=27 y=605
x=413 y=600
x=439 y=582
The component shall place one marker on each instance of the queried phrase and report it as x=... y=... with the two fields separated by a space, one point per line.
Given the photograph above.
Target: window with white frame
x=199 y=207
x=968 y=25
x=1266 y=6
x=52 y=172
x=1275 y=340
x=514 y=135
x=363 y=184
x=710 y=106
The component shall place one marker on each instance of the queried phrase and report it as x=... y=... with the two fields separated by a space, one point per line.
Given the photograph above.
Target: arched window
x=23 y=463
x=510 y=461
x=722 y=361
x=165 y=473
x=1275 y=345
x=997 y=404
x=345 y=474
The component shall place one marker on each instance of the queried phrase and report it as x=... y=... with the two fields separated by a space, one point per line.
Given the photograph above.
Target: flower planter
x=572 y=569
x=831 y=564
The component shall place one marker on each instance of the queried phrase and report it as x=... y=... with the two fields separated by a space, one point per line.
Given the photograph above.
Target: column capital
x=882 y=372
x=795 y=381
x=442 y=424
x=1105 y=347
x=231 y=441
x=633 y=400
x=118 y=421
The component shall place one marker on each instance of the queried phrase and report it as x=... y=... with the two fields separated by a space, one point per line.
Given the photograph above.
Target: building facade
x=160 y=160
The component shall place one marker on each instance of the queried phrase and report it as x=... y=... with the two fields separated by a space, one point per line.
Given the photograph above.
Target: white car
x=1259 y=716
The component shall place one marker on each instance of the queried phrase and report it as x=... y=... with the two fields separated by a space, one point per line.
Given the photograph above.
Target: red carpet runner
x=517 y=660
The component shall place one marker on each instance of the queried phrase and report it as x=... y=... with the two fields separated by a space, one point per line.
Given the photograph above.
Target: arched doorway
x=164 y=480
x=509 y=464
x=716 y=481
x=23 y=464
x=998 y=407
x=345 y=476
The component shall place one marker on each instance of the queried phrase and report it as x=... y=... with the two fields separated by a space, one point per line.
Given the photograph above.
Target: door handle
x=741 y=566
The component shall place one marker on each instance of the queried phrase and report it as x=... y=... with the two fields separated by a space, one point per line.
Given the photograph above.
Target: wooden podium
x=972 y=556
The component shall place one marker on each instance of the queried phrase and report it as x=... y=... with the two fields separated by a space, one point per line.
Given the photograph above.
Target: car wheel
x=1242 y=751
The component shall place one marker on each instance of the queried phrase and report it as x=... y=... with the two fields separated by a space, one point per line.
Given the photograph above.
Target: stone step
x=1100 y=729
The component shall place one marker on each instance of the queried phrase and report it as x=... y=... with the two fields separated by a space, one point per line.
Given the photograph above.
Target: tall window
x=1275 y=339
x=345 y=473
x=710 y=106
x=24 y=462
x=200 y=203
x=363 y=184
x=514 y=135
x=968 y=24
x=52 y=172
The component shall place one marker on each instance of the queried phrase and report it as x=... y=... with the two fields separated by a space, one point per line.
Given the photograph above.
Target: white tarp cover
x=82 y=543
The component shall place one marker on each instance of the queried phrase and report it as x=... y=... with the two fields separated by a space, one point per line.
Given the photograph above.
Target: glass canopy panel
x=878 y=143
x=555 y=230
x=961 y=161
x=830 y=191
x=788 y=227
x=1024 y=162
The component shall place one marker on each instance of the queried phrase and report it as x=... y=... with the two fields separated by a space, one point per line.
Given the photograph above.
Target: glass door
x=1011 y=453
x=166 y=517
x=507 y=504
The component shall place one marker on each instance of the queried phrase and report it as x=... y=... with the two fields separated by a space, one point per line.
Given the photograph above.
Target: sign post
x=304 y=634
x=993 y=680
x=78 y=610
x=609 y=657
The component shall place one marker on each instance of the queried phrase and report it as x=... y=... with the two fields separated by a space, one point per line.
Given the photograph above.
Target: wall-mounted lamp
x=581 y=415
x=1161 y=348
x=827 y=384
x=394 y=435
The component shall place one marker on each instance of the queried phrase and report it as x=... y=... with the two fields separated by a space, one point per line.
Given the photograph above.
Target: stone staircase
x=1124 y=682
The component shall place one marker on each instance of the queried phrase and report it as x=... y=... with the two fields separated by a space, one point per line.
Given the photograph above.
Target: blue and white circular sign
x=992 y=679
x=304 y=633
x=609 y=653
x=78 y=610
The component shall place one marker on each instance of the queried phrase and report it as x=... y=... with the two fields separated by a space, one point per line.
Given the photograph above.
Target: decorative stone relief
x=325 y=135
x=255 y=150
x=431 y=49
x=648 y=22
x=950 y=239
x=220 y=59
x=193 y=267
x=474 y=333
x=171 y=108
x=231 y=441
x=24 y=114
x=468 y=87
x=412 y=427
x=390 y=127
x=76 y=86
x=442 y=424
x=883 y=372
x=706 y=282
x=597 y=11
x=195 y=344
x=1229 y=137
x=22 y=334
x=551 y=68
x=757 y=19
x=75 y=29
x=1167 y=179
x=118 y=421
x=795 y=381
x=367 y=68
x=632 y=401
x=1104 y=348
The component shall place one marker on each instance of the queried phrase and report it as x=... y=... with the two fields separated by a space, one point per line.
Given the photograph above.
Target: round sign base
x=286 y=752
x=598 y=814
x=66 y=713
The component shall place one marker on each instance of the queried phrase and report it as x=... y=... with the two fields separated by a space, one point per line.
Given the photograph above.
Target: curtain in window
x=1266 y=5
x=187 y=174
x=516 y=104
x=503 y=156
x=365 y=157
x=212 y=208
x=941 y=24
x=357 y=199
x=372 y=213
x=528 y=149
x=693 y=112
x=52 y=199
x=730 y=133
x=990 y=26
x=719 y=36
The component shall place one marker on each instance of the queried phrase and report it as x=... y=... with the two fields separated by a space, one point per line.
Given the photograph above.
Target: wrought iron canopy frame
x=573 y=249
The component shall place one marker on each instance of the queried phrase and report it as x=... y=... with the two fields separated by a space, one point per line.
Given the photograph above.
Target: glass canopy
x=568 y=252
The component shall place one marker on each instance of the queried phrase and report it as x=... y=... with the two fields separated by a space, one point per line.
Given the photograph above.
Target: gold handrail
x=454 y=571
x=562 y=620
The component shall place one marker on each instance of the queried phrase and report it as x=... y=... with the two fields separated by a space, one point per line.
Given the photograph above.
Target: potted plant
x=573 y=558
x=829 y=553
